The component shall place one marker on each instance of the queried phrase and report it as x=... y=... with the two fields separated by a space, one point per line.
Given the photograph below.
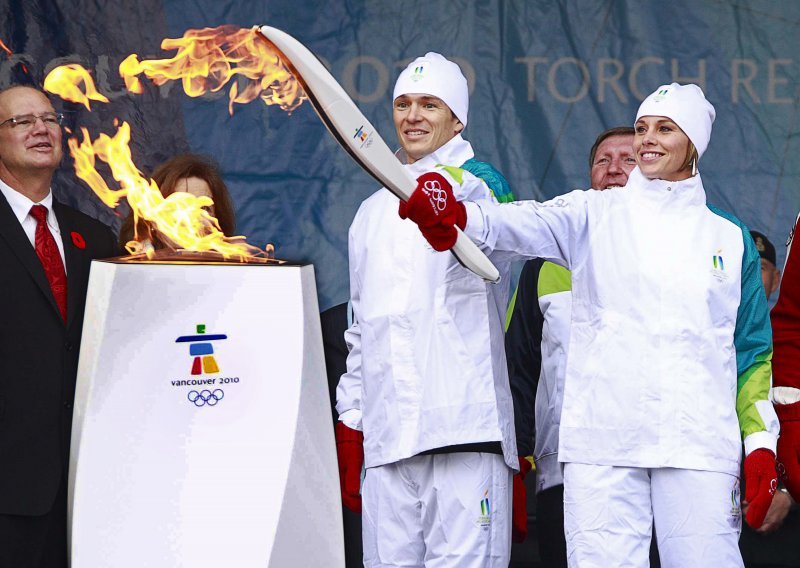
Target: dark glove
x=519 y=510
x=760 y=482
x=434 y=208
x=350 y=454
x=789 y=447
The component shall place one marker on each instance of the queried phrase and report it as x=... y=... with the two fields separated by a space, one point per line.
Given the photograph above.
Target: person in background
x=773 y=544
x=46 y=248
x=770 y=273
x=425 y=403
x=611 y=158
x=670 y=346
x=786 y=374
x=190 y=173
x=536 y=348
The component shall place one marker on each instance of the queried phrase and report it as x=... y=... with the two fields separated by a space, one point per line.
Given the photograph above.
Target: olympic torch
x=354 y=133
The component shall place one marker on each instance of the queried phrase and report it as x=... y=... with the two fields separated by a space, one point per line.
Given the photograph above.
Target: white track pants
x=609 y=511
x=445 y=510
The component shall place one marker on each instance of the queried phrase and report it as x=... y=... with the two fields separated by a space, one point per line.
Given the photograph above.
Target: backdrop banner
x=545 y=78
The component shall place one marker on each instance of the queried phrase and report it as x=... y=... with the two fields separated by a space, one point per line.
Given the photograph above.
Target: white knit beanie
x=687 y=107
x=435 y=75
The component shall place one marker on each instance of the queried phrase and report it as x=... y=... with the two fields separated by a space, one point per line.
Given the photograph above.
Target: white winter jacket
x=426 y=367
x=670 y=345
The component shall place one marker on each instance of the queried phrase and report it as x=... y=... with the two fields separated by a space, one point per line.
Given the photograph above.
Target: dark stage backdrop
x=546 y=77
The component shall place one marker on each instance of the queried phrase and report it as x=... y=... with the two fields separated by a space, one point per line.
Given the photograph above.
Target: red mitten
x=760 y=482
x=789 y=447
x=519 y=510
x=434 y=208
x=350 y=454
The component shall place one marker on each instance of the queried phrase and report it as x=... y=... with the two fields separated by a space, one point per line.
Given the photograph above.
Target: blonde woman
x=670 y=346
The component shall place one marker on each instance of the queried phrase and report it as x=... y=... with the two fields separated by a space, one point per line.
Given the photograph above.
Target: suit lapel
x=11 y=231
x=74 y=261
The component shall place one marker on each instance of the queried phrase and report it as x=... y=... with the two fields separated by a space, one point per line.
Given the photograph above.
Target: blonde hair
x=691 y=158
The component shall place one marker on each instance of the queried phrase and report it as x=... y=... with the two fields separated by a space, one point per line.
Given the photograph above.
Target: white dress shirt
x=21 y=206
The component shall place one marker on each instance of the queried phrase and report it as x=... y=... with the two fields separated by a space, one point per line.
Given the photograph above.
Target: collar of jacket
x=454 y=153
x=687 y=192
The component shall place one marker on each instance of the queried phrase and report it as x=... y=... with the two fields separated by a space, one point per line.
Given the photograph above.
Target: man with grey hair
x=45 y=252
x=425 y=402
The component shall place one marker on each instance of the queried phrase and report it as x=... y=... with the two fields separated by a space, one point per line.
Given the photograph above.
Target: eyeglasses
x=26 y=121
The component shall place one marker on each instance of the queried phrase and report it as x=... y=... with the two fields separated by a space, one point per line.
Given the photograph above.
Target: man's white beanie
x=434 y=75
x=687 y=107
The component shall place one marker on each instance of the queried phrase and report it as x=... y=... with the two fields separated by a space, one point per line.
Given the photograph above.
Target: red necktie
x=47 y=251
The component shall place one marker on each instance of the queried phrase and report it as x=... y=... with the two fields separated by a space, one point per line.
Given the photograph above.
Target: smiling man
x=425 y=402
x=611 y=158
x=45 y=252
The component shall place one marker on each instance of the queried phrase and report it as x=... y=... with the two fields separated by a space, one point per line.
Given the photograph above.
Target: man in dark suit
x=45 y=252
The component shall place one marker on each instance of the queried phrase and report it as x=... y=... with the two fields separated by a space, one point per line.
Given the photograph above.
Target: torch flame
x=64 y=80
x=180 y=218
x=208 y=59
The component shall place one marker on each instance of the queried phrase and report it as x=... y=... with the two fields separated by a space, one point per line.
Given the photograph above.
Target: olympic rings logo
x=205 y=397
x=437 y=195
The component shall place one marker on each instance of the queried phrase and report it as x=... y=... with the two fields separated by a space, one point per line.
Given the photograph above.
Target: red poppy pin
x=77 y=240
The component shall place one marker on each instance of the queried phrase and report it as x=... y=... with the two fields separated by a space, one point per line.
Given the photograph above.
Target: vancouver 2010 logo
x=201 y=350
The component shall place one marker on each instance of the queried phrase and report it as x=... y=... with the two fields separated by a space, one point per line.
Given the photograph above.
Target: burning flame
x=180 y=218
x=64 y=80
x=209 y=59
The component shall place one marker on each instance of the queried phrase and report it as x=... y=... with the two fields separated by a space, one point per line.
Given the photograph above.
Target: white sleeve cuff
x=785 y=395
x=352 y=418
x=758 y=440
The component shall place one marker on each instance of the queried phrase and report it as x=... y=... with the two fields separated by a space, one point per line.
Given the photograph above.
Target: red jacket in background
x=786 y=323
